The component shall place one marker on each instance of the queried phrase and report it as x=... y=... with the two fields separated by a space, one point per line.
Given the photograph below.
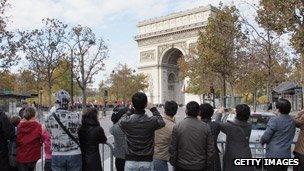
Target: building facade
x=161 y=43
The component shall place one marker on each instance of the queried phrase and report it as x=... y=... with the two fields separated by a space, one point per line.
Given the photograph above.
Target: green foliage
x=8 y=81
x=214 y=60
x=124 y=82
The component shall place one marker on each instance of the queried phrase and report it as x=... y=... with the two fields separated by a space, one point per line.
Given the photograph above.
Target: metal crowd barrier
x=41 y=164
x=111 y=155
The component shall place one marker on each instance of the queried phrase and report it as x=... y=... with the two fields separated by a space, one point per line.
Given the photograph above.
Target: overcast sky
x=114 y=20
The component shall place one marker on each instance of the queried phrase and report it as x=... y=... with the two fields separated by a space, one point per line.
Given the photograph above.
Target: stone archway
x=172 y=88
x=161 y=41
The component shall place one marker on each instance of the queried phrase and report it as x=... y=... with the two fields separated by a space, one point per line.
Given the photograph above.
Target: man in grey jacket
x=192 y=146
x=279 y=134
x=139 y=129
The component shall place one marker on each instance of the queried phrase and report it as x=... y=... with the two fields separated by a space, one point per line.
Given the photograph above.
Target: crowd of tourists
x=143 y=142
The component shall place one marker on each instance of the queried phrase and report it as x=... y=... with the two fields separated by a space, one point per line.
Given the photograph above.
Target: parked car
x=259 y=122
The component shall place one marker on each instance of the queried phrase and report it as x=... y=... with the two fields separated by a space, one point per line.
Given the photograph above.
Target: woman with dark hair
x=90 y=136
x=237 y=139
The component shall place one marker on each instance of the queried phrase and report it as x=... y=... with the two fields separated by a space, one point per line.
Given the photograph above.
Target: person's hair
x=242 y=112
x=117 y=115
x=15 y=120
x=206 y=111
x=29 y=113
x=284 y=106
x=171 y=108
x=192 y=109
x=90 y=117
x=139 y=100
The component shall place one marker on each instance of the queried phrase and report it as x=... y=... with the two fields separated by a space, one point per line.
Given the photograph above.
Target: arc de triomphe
x=161 y=42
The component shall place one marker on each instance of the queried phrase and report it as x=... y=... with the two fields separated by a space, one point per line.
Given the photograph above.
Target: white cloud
x=27 y=14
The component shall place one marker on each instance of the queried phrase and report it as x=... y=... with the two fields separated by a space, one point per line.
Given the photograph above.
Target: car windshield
x=259 y=122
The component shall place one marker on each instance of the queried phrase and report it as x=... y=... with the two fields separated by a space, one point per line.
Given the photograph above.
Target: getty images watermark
x=266 y=162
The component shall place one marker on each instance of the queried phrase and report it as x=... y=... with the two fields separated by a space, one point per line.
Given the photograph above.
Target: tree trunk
x=232 y=96
x=223 y=92
x=84 y=96
x=49 y=90
x=254 y=100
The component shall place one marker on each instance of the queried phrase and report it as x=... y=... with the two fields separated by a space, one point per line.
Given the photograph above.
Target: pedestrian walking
x=29 y=141
x=163 y=138
x=237 y=139
x=6 y=133
x=299 y=147
x=63 y=125
x=90 y=136
x=139 y=129
x=279 y=134
x=206 y=112
x=192 y=146
x=120 y=144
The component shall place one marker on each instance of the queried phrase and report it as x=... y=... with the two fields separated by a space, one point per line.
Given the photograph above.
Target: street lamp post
x=91 y=42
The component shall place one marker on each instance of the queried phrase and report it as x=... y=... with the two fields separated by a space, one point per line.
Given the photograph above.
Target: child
x=29 y=139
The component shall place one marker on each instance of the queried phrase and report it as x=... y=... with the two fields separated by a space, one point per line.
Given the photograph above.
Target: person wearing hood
x=63 y=125
x=237 y=139
x=29 y=141
x=90 y=136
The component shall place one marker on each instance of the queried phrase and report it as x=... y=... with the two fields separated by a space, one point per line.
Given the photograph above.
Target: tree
x=7 y=82
x=90 y=53
x=44 y=50
x=8 y=43
x=124 y=82
x=284 y=16
x=63 y=75
x=26 y=82
x=218 y=45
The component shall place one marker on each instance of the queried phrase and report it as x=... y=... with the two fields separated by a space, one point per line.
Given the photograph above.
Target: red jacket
x=29 y=141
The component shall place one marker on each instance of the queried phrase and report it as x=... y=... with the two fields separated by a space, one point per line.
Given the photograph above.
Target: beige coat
x=299 y=120
x=163 y=139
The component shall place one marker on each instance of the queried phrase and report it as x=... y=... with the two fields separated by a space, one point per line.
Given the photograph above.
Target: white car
x=259 y=123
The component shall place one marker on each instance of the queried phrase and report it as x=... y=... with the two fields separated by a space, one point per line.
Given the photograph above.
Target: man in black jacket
x=192 y=146
x=139 y=129
x=7 y=132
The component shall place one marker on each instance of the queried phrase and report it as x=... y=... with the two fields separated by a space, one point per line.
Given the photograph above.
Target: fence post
x=111 y=156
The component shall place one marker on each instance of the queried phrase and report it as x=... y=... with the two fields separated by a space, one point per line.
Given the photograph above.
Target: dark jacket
x=237 y=144
x=7 y=132
x=139 y=129
x=215 y=130
x=90 y=136
x=278 y=136
x=192 y=145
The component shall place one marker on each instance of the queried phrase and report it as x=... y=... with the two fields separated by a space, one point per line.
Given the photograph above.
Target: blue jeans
x=160 y=165
x=67 y=163
x=138 y=166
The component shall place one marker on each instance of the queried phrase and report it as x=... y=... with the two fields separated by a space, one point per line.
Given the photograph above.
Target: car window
x=259 y=122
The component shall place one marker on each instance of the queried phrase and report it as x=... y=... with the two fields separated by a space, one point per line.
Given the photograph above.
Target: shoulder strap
x=65 y=129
